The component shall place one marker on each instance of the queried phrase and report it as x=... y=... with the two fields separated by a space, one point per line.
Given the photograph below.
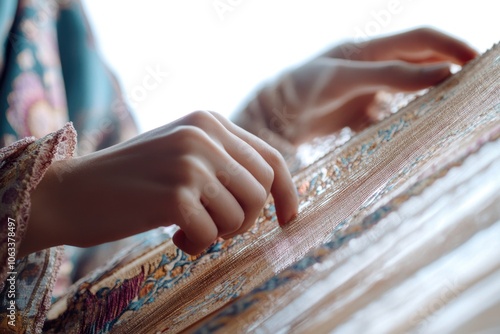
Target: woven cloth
x=383 y=225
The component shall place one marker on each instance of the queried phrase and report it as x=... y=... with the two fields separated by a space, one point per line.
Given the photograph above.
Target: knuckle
x=259 y=197
x=182 y=198
x=215 y=114
x=189 y=140
x=180 y=195
x=183 y=163
x=211 y=190
x=425 y=30
x=424 y=33
x=233 y=224
x=268 y=177
x=185 y=173
x=196 y=244
x=189 y=170
x=206 y=238
x=239 y=220
x=254 y=201
x=246 y=150
x=397 y=69
x=274 y=158
x=200 y=119
x=190 y=134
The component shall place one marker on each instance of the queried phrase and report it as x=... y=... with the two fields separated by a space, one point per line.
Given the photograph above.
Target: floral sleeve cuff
x=26 y=283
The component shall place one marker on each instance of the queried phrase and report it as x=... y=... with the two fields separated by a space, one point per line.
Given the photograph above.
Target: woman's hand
x=335 y=89
x=201 y=173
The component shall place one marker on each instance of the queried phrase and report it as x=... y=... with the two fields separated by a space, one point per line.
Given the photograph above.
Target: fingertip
x=181 y=240
x=465 y=55
x=287 y=208
x=284 y=193
x=287 y=221
x=430 y=75
x=459 y=51
x=444 y=45
x=471 y=54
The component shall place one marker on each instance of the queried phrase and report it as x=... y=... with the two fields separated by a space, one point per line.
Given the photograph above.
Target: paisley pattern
x=45 y=83
x=22 y=165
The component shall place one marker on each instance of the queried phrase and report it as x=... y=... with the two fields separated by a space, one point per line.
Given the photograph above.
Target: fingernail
x=293 y=217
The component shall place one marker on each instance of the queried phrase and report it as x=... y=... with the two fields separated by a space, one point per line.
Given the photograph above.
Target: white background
x=214 y=59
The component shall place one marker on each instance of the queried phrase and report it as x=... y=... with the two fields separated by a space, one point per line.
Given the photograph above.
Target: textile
x=31 y=278
x=50 y=73
x=332 y=263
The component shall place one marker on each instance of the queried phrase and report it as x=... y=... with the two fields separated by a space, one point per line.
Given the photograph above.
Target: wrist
x=44 y=224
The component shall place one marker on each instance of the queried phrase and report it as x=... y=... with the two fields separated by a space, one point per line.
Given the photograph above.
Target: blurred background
x=211 y=54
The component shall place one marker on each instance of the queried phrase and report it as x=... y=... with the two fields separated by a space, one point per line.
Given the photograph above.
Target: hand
x=336 y=89
x=201 y=173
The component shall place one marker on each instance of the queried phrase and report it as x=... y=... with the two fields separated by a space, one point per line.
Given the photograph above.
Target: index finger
x=421 y=45
x=283 y=188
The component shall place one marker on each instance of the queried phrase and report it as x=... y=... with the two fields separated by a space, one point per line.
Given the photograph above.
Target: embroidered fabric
x=389 y=168
x=43 y=83
x=23 y=164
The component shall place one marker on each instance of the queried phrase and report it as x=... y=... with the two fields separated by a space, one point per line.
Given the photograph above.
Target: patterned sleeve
x=26 y=283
